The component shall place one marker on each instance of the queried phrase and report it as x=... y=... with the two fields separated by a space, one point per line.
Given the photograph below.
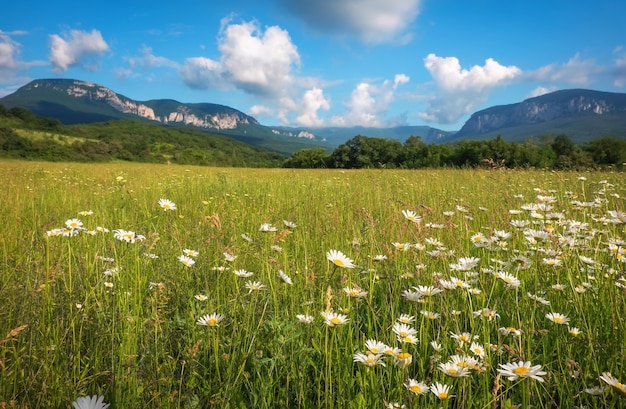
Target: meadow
x=160 y=286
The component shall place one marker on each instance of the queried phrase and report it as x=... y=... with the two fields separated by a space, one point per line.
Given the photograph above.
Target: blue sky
x=324 y=62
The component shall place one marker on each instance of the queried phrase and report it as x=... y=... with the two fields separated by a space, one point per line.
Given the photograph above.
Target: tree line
x=559 y=152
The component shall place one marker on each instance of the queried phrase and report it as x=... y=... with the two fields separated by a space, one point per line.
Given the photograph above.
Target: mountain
x=335 y=136
x=582 y=115
x=78 y=102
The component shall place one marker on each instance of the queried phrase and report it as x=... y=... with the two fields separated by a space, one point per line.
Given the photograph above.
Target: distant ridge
x=578 y=113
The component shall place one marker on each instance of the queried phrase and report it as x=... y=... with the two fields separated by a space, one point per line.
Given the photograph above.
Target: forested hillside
x=24 y=135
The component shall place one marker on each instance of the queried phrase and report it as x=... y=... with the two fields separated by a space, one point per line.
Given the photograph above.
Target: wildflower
x=108 y=284
x=453 y=370
x=477 y=349
x=243 y=273
x=368 y=359
x=412 y=295
x=355 y=292
x=254 y=286
x=90 y=402
x=558 y=287
x=190 y=253
x=276 y=248
x=167 y=205
x=379 y=257
x=465 y=264
x=391 y=351
x=403 y=359
x=220 y=269
x=411 y=216
x=339 y=259
x=394 y=405
x=246 y=238
x=408 y=339
x=229 y=257
x=436 y=346
x=200 y=297
x=267 y=227
x=510 y=280
x=333 y=319
x=513 y=371
x=441 y=391
x=573 y=331
x=613 y=382
x=375 y=347
x=486 y=313
x=553 y=261
x=284 y=277
x=86 y=213
x=127 y=236
x=430 y=315
x=418 y=388
x=405 y=318
x=403 y=330
x=187 y=261
x=463 y=337
x=557 y=318
x=210 y=320
x=305 y=319
x=74 y=224
x=510 y=330
x=289 y=224
x=596 y=390
x=427 y=291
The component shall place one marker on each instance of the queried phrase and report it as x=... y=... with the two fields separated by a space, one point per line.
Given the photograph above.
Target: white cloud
x=9 y=50
x=461 y=91
x=312 y=101
x=368 y=102
x=540 y=91
x=574 y=72
x=147 y=60
x=75 y=48
x=252 y=60
x=371 y=21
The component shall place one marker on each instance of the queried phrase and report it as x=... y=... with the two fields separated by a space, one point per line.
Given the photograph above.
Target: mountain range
x=580 y=114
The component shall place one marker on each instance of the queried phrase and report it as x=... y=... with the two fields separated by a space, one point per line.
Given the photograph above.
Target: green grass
x=91 y=314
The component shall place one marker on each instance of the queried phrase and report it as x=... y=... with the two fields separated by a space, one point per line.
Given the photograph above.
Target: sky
x=314 y=63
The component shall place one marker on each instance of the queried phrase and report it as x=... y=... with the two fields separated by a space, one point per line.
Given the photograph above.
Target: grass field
x=272 y=288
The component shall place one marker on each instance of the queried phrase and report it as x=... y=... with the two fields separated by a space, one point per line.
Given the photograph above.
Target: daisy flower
x=190 y=253
x=418 y=388
x=243 y=273
x=402 y=359
x=74 y=224
x=405 y=318
x=375 y=347
x=200 y=297
x=379 y=257
x=477 y=349
x=285 y=277
x=613 y=382
x=510 y=280
x=440 y=391
x=229 y=257
x=453 y=370
x=186 y=260
x=289 y=224
x=127 y=236
x=339 y=259
x=333 y=319
x=355 y=292
x=305 y=319
x=267 y=227
x=368 y=359
x=86 y=213
x=516 y=370
x=90 y=402
x=411 y=216
x=254 y=286
x=167 y=205
x=210 y=320
x=402 y=330
x=557 y=318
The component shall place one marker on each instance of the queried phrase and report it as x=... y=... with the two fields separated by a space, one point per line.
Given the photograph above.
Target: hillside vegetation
x=24 y=135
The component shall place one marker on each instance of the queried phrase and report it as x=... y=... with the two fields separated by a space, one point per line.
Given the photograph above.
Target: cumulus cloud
x=253 y=60
x=312 y=101
x=371 y=21
x=75 y=48
x=368 y=102
x=540 y=91
x=9 y=49
x=460 y=91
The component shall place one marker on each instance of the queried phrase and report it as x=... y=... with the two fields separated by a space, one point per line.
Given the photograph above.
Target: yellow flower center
x=559 y=320
x=335 y=321
x=462 y=364
x=416 y=389
x=521 y=371
x=443 y=395
x=404 y=355
x=211 y=322
x=338 y=262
